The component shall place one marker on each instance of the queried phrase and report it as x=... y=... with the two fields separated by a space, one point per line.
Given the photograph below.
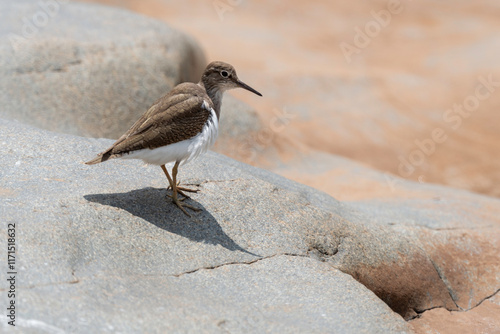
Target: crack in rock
x=482 y=300
x=48 y=68
x=446 y=283
x=239 y=263
x=34 y=286
x=211 y=181
x=75 y=280
x=420 y=312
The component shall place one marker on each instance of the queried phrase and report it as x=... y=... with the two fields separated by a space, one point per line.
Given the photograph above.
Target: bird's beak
x=247 y=87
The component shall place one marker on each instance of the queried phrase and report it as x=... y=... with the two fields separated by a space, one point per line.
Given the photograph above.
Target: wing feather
x=175 y=117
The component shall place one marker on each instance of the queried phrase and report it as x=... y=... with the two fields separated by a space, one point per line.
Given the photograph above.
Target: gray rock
x=281 y=294
x=87 y=69
x=106 y=235
x=101 y=250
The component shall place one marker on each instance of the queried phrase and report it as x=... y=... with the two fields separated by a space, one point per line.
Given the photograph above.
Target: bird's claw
x=182 y=206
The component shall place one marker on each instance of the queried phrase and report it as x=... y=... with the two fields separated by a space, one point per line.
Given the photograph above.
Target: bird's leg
x=171 y=182
x=167 y=175
x=175 y=191
x=181 y=189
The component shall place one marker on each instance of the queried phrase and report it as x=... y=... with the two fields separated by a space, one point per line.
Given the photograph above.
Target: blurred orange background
x=370 y=81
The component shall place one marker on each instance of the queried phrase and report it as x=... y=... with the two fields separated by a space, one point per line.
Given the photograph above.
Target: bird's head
x=221 y=76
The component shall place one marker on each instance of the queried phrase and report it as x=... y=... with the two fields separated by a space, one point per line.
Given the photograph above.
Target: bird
x=178 y=127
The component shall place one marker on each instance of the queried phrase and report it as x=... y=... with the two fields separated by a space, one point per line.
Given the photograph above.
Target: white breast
x=185 y=150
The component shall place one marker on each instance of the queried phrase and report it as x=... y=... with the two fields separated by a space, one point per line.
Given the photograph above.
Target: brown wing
x=177 y=116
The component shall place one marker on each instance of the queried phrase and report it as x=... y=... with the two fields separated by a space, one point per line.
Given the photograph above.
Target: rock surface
x=105 y=236
x=79 y=68
x=291 y=257
x=482 y=319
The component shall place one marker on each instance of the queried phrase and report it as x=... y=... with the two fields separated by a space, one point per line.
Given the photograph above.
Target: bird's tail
x=100 y=158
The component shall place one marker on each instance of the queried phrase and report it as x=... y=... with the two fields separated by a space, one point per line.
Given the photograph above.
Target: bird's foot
x=181 y=190
x=188 y=189
x=182 y=206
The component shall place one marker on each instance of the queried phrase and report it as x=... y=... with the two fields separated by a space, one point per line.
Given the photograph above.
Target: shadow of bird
x=150 y=204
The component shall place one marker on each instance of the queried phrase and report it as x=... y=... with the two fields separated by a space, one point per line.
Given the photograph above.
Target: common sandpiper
x=178 y=127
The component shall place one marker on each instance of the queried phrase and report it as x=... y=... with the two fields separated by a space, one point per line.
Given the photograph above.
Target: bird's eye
x=224 y=74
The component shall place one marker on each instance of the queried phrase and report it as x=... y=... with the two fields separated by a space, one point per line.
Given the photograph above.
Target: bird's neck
x=215 y=94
